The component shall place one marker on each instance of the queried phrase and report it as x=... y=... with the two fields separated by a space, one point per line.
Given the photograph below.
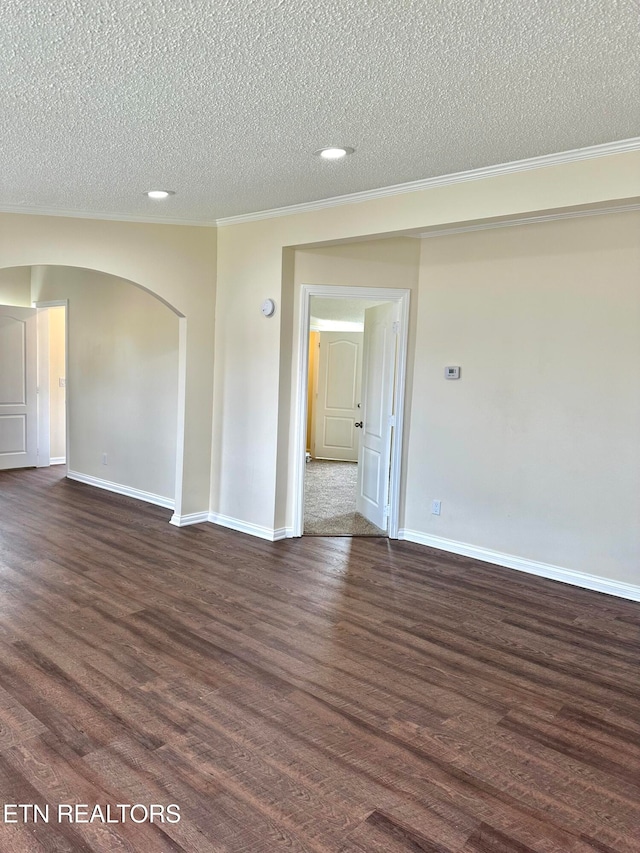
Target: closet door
x=18 y=387
x=337 y=405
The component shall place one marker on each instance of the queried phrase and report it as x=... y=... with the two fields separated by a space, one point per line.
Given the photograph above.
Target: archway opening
x=125 y=367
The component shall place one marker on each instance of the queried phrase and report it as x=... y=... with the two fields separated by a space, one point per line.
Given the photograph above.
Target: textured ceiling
x=224 y=101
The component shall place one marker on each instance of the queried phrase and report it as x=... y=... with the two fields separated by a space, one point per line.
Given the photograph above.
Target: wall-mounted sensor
x=452 y=373
x=268 y=307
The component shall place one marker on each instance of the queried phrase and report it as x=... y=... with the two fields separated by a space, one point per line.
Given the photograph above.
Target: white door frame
x=382 y=294
x=44 y=425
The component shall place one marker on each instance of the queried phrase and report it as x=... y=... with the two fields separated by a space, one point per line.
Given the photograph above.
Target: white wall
x=123 y=378
x=535 y=451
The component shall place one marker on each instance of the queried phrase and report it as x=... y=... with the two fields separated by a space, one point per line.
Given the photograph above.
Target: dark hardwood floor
x=317 y=694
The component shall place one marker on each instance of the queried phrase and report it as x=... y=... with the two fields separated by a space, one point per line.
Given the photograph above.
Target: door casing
x=382 y=294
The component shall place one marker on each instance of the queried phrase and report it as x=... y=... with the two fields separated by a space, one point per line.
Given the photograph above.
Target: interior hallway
x=330 y=501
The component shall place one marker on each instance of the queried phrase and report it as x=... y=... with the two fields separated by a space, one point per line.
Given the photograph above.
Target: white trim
x=381 y=294
x=58 y=460
x=246 y=527
x=532 y=567
x=119 y=489
x=181 y=407
x=575 y=155
x=54 y=303
x=527 y=220
x=190 y=518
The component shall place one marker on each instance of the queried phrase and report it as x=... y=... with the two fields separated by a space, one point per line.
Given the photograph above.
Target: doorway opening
x=33 y=413
x=122 y=427
x=52 y=383
x=352 y=364
x=335 y=419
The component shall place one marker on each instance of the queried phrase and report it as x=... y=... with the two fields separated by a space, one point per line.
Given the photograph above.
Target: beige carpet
x=330 y=501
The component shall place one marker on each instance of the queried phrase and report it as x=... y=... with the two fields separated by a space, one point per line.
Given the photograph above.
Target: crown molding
x=526 y=220
x=573 y=156
x=108 y=217
x=577 y=154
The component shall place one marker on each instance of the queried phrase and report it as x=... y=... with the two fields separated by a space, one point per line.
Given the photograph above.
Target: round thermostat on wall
x=268 y=307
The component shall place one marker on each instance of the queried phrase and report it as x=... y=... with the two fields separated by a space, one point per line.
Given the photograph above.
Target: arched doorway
x=178 y=265
x=125 y=378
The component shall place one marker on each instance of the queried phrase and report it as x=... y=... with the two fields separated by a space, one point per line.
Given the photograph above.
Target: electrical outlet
x=104 y=458
x=436 y=506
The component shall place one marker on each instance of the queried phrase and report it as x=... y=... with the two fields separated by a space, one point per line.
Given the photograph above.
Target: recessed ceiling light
x=158 y=194
x=334 y=153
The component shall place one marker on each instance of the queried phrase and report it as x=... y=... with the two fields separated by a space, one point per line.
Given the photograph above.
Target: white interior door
x=337 y=405
x=379 y=361
x=18 y=387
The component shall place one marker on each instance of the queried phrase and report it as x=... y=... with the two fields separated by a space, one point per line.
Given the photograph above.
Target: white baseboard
x=190 y=518
x=545 y=570
x=246 y=527
x=118 y=488
x=58 y=460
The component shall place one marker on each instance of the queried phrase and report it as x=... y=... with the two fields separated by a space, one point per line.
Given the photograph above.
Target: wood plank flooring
x=324 y=695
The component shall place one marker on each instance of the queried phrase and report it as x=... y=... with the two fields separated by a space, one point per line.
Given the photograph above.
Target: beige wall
x=534 y=452
x=252 y=389
x=123 y=378
x=15 y=286
x=252 y=384
x=57 y=393
x=177 y=263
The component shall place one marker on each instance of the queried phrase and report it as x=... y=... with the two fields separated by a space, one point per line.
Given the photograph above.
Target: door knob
x=359 y=424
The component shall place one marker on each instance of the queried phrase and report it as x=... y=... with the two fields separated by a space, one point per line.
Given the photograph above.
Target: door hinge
x=396 y=327
x=387 y=511
x=392 y=420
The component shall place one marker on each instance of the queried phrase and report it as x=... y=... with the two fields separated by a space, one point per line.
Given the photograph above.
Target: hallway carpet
x=330 y=501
